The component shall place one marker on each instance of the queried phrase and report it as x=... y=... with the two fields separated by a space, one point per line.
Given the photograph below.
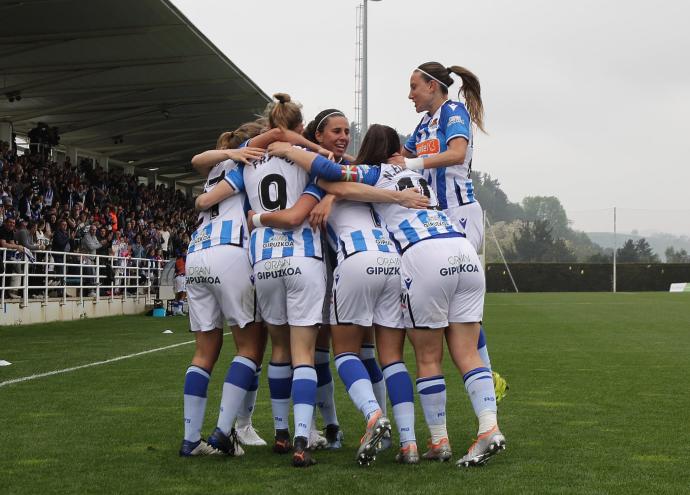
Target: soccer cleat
x=500 y=386
x=227 y=444
x=408 y=455
x=386 y=443
x=301 y=457
x=247 y=435
x=369 y=446
x=439 y=451
x=316 y=440
x=486 y=445
x=281 y=444
x=334 y=436
x=198 y=448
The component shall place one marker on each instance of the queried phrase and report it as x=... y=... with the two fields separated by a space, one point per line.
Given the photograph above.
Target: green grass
x=598 y=403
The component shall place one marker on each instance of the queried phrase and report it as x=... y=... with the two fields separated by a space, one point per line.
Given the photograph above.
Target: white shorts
x=219 y=287
x=470 y=219
x=290 y=290
x=366 y=290
x=180 y=283
x=445 y=287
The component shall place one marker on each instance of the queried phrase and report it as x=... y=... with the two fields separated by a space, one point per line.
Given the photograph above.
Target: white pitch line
x=97 y=363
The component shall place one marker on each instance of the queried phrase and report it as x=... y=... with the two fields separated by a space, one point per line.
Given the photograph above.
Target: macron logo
x=463 y=222
x=408 y=282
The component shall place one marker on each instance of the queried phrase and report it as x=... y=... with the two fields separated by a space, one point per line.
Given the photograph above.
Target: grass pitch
x=598 y=403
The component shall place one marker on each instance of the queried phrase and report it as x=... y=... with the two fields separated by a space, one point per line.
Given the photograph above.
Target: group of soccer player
x=404 y=229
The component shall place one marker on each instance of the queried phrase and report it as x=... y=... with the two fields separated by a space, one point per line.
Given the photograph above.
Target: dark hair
x=319 y=123
x=379 y=144
x=470 y=89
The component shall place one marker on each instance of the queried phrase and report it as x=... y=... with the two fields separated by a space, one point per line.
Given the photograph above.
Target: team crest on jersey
x=433 y=124
x=428 y=147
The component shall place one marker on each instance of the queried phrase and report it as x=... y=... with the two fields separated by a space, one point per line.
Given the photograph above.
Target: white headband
x=337 y=112
x=432 y=77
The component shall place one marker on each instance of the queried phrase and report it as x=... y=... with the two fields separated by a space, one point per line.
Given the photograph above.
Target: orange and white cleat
x=487 y=445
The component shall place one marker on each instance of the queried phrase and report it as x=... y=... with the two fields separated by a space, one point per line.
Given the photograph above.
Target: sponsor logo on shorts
x=463 y=222
x=201 y=275
x=408 y=282
x=459 y=260
x=388 y=261
x=454 y=270
x=277 y=264
x=383 y=270
x=283 y=272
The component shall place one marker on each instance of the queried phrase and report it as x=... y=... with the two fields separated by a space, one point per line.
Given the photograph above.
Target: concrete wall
x=42 y=312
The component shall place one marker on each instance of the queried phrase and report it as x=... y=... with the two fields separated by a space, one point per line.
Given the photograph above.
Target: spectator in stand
x=61 y=244
x=90 y=242
x=7 y=241
x=164 y=235
x=138 y=251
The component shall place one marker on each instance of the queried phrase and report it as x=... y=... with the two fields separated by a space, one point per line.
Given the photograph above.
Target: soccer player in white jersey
x=209 y=164
x=289 y=276
x=219 y=287
x=441 y=294
x=441 y=149
x=366 y=291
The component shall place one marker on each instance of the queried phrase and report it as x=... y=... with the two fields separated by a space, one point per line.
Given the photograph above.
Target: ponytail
x=471 y=90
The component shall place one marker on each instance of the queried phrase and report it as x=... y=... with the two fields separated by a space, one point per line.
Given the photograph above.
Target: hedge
x=585 y=277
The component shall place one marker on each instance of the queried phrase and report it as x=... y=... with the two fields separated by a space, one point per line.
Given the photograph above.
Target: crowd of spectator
x=83 y=208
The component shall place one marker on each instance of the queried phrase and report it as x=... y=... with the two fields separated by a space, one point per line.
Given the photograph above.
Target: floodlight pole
x=615 y=245
x=364 y=124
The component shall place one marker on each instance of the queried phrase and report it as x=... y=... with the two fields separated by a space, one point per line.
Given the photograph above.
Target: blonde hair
x=470 y=89
x=233 y=139
x=283 y=113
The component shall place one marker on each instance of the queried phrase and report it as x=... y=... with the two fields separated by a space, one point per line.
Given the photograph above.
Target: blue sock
x=237 y=381
x=368 y=356
x=432 y=396
x=480 y=387
x=195 y=388
x=244 y=415
x=325 y=388
x=303 y=398
x=401 y=394
x=280 y=385
x=356 y=379
x=482 y=349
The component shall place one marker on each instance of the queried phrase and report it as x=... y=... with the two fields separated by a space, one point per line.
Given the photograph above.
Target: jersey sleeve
x=315 y=191
x=455 y=121
x=326 y=169
x=235 y=178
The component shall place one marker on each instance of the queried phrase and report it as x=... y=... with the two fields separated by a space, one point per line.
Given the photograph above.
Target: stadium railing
x=51 y=275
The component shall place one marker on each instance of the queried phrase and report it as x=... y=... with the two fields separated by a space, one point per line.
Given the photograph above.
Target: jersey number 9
x=273 y=192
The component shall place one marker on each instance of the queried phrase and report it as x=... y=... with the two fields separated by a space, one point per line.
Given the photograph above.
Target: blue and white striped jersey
x=353 y=227
x=406 y=226
x=273 y=184
x=452 y=184
x=223 y=223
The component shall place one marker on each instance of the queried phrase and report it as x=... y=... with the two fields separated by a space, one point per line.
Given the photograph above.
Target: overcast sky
x=585 y=100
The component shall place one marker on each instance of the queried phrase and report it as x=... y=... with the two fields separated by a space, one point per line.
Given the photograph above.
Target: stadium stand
x=104 y=104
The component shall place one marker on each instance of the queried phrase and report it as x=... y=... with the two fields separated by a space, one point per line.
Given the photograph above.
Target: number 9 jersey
x=273 y=184
x=224 y=223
